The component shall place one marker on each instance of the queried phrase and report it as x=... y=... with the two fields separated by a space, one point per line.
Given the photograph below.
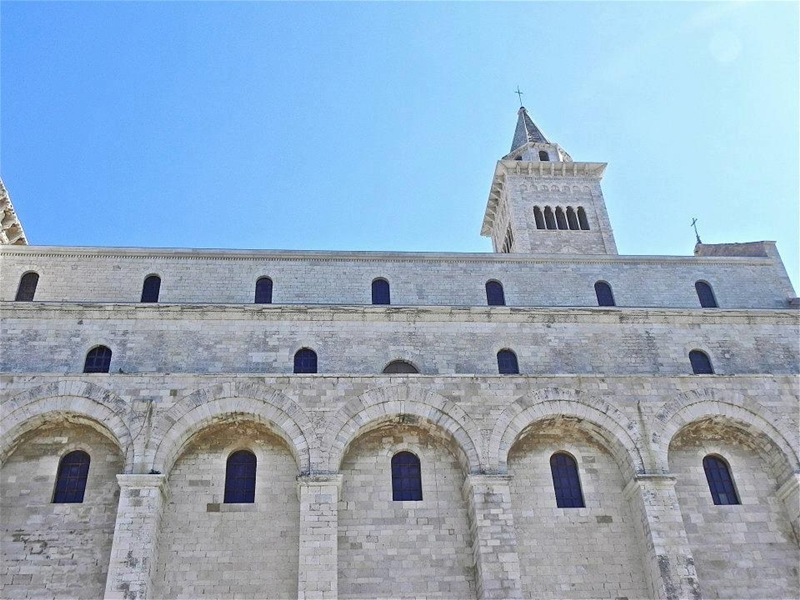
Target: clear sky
x=376 y=126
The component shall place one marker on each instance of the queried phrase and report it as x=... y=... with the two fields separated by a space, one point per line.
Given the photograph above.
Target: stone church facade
x=579 y=424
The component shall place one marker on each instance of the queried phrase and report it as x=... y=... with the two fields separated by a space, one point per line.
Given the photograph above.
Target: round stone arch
x=225 y=402
x=377 y=406
x=75 y=400
x=619 y=435
x=776 y=442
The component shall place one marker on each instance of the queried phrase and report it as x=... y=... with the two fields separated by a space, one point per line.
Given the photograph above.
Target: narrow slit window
x=406 y=477
x=494 y=294
x=720 y=482
x=549 y=219
x=380 y=292
x=705 y=294
x=305 y=361
x=561 y=220
x=150 y=288
x=582 y=220
x=240 y=478
x=27 y=287
x=539 y=218
x=605 y=297
x=98 y=360
x=701 y=364
x=566 y=483
x=572 y=220
x=508 y=243
x=507 y=363
x=73 y=472
x=263 y=291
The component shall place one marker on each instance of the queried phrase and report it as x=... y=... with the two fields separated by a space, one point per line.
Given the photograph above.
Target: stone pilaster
x=789 y=493
x=134 y=550
x=317 y=575
x=668 y=562
x=494 y=539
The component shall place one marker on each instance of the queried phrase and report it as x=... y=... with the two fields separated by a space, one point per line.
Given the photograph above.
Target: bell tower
x=543 y=202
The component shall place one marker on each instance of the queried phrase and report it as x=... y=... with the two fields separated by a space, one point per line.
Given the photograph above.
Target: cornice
x=394 y=314
x=225 y=255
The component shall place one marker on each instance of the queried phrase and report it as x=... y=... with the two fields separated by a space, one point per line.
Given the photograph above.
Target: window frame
x=706 y=297
x=571 y=494
x=406 y=477
x=507 y=352
x=603 y=299
x=150 y=291
x=240 y=486
x=70 y=488
x=720 y=481
x=705 y=369
x=26 y=291
x=305 y=353
x=262 y=296
x=95 y=369
x=497 y=295
x=399 y=361
x=381 y=292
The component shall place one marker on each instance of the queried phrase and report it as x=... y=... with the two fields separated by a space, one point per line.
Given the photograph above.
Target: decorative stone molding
x=376 y=406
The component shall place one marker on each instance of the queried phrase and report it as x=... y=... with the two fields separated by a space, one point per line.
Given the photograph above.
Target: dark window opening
x=73 y=471
x=517 y=158
x=720 y=482
x=572 y=220
x=263 y=291
x=605 y=296
x=27 y=287
x=494 y=294
x=544 y=156
x=566 y=483
x=508 y=243
x=406 y=477
x=549 y=219
x=582 y=220
x=539 y=218
x=561 y=220
x=380 y=292
x=305 y=361
x=98 y=360
x=701 y=364
x=705 y=295
x=240 y=478
x=150 y=288
x=400 y=366
x=507 y=363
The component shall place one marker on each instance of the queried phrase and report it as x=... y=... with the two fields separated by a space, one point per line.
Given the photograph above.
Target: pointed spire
x=526 y=130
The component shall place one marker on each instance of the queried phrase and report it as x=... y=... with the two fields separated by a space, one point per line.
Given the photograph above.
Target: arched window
x=604 y=295
x=494 y=294
x=263 y=291
x=582 y=220
x=566 y=483
x=701 y=364
x=561 y=220
x=98 y=360
x=380 y=292
x=720 y=482
x=705 y=294
x=543 y=156
x=399 y=366
x=27 y=287
x=549 y=219
x=406 y=477
x=73 y=471
x=240 y=478
x=507 y=363
x=305 y=361
x=150 y=288
x=539 y=218
x=572 y=220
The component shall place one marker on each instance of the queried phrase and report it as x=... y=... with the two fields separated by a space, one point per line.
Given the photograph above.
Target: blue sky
x=376 y=126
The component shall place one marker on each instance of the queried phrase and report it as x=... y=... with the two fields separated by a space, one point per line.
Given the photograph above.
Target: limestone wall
x=416 y=279
x=362 y=340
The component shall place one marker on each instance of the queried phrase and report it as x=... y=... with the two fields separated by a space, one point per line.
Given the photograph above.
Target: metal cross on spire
x=697 y=235
x=518 y=93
